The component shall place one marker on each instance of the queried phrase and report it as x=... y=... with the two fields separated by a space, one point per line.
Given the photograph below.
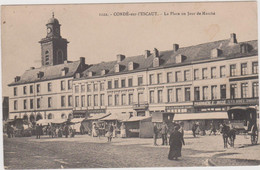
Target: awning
x=49 y=121
x=201 y=116
x=98 y=116
x=114 y=116
x=77 y=120
x=137 y=118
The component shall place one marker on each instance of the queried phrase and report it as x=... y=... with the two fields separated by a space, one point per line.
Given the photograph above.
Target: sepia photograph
x=130 y=85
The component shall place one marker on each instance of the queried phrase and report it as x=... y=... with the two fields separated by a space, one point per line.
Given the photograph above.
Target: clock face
x=49 y=30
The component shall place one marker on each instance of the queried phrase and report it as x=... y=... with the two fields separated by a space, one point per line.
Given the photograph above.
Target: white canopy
x=49 y=121
x=98 y=116
x=201 y=116
x=77 y=120
x=137 y=118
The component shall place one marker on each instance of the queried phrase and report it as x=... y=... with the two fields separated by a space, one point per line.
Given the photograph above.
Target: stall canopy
x=76 y=120
x=115 y=116
x=49 y=121
x=201 y=116
x=137 y=118
x=98 y=116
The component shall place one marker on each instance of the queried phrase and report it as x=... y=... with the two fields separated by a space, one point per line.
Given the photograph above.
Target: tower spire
x=52 y=14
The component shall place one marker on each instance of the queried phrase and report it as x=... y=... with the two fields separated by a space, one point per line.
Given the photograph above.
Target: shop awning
x=76 y=120
x=114 y=116
x=98 y=116
x=137 y=118
x=201 y=116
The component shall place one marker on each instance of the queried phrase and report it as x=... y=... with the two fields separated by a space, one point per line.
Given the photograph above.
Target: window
x=160 y=96
x=204 y=73
x=123 y=83
x=77 y=89
x=130 y=99
x=62 y=85
x=15 y=105
x=233 y=91
x=102 y=86
x=255 y=89
x=123 y=98
x=151 y=81
x=31 y=89
x=169 y=77
x=24 y=104
x=213 y=92
x=244 y=90
x=69 y=84
x=130 y=82
x=177 y=76
x=95 y=87
x=82 y=87
x=109 y=100
x=151 y=96
x=15 y=91
x=89 y=100
x=102 y=100
x=213 y=72
x=95 y=100
x=232 y=70
x=31 y=103
x=116 y=84
x=109 y=84
x=196 y=93
x=76 y=101
x=38 y=103
x=159 y=78
x=222 y=71
x=178 y=95
x=243 y=68
x=140 y=81
x=49 y=102
x=205 y=93
x=116 y=99
x=24 y=90
x=69 y=100
x=186 y=75
x=89 y=88
x=170 y=95
x=141 y=97
x=255 y=67
x=62 y=101
x=38 y=88
x=196 y=74
x=50 y=116
x=49 y=87
x=46 y=57
x=223 y=91
x=187 y=94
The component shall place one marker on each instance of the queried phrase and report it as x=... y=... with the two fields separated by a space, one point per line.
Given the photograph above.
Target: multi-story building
x=210 y=77
x=46 y=92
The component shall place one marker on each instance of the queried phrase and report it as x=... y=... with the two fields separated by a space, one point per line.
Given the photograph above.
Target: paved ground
x=86 y=152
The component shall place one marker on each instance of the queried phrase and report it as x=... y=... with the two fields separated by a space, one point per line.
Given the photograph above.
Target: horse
x=229 y=135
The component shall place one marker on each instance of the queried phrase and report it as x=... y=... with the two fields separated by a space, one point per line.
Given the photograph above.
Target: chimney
x=233 y=39
x=147 y=53
x=120 y=57
x=175 y=47
x=32 y=68
x=64 y=71
x=82 y=60
x=17 y=78
x=156 y=52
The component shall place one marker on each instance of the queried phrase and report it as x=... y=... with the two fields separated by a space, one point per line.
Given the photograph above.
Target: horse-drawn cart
x=245 y=117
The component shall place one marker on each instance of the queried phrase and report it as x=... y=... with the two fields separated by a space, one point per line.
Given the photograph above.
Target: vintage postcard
x=130 y=85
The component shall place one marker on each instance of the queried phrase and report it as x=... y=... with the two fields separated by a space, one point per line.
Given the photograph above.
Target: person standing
x=194 y=128
x=212 y=129
x=110 y=132
x=123 y=131
x=38 y=131
x=155 y=135
x=181 y=128
x=225 y=130
x=66 y=129
x=176 y=141
x=164 y=131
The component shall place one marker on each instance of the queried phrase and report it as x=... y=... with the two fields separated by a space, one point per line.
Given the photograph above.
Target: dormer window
x=17 y=78
x=103 y=72
x=118 y=68
x=244 y=48
x=90 y=74
x=215 y=53
x=156 y=62
x=180 y=58
x=40 y=74
x=64 y=71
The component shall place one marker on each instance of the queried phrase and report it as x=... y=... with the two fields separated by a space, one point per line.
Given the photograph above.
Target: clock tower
x=53 y=46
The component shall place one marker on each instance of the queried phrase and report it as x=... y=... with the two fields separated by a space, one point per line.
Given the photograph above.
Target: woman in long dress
x=94 y=132
x=176 y=141
x=123 y=131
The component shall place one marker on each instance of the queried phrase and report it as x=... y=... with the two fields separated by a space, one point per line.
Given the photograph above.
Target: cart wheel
x=254 y=137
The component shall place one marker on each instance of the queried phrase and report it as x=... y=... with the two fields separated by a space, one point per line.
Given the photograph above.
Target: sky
x=101 y=38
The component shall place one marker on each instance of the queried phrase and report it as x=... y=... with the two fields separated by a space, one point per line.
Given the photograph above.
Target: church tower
x=53 y=46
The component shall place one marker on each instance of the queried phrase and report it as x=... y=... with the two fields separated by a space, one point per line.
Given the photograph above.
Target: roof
x=115 y=116
x=201 y=116
x=193 y=54
x=137 y=118
x=49 y=73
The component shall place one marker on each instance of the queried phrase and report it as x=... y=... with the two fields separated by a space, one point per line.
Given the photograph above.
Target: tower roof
x=53 y=20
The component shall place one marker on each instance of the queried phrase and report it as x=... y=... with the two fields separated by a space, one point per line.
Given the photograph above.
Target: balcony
x=140 y=106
